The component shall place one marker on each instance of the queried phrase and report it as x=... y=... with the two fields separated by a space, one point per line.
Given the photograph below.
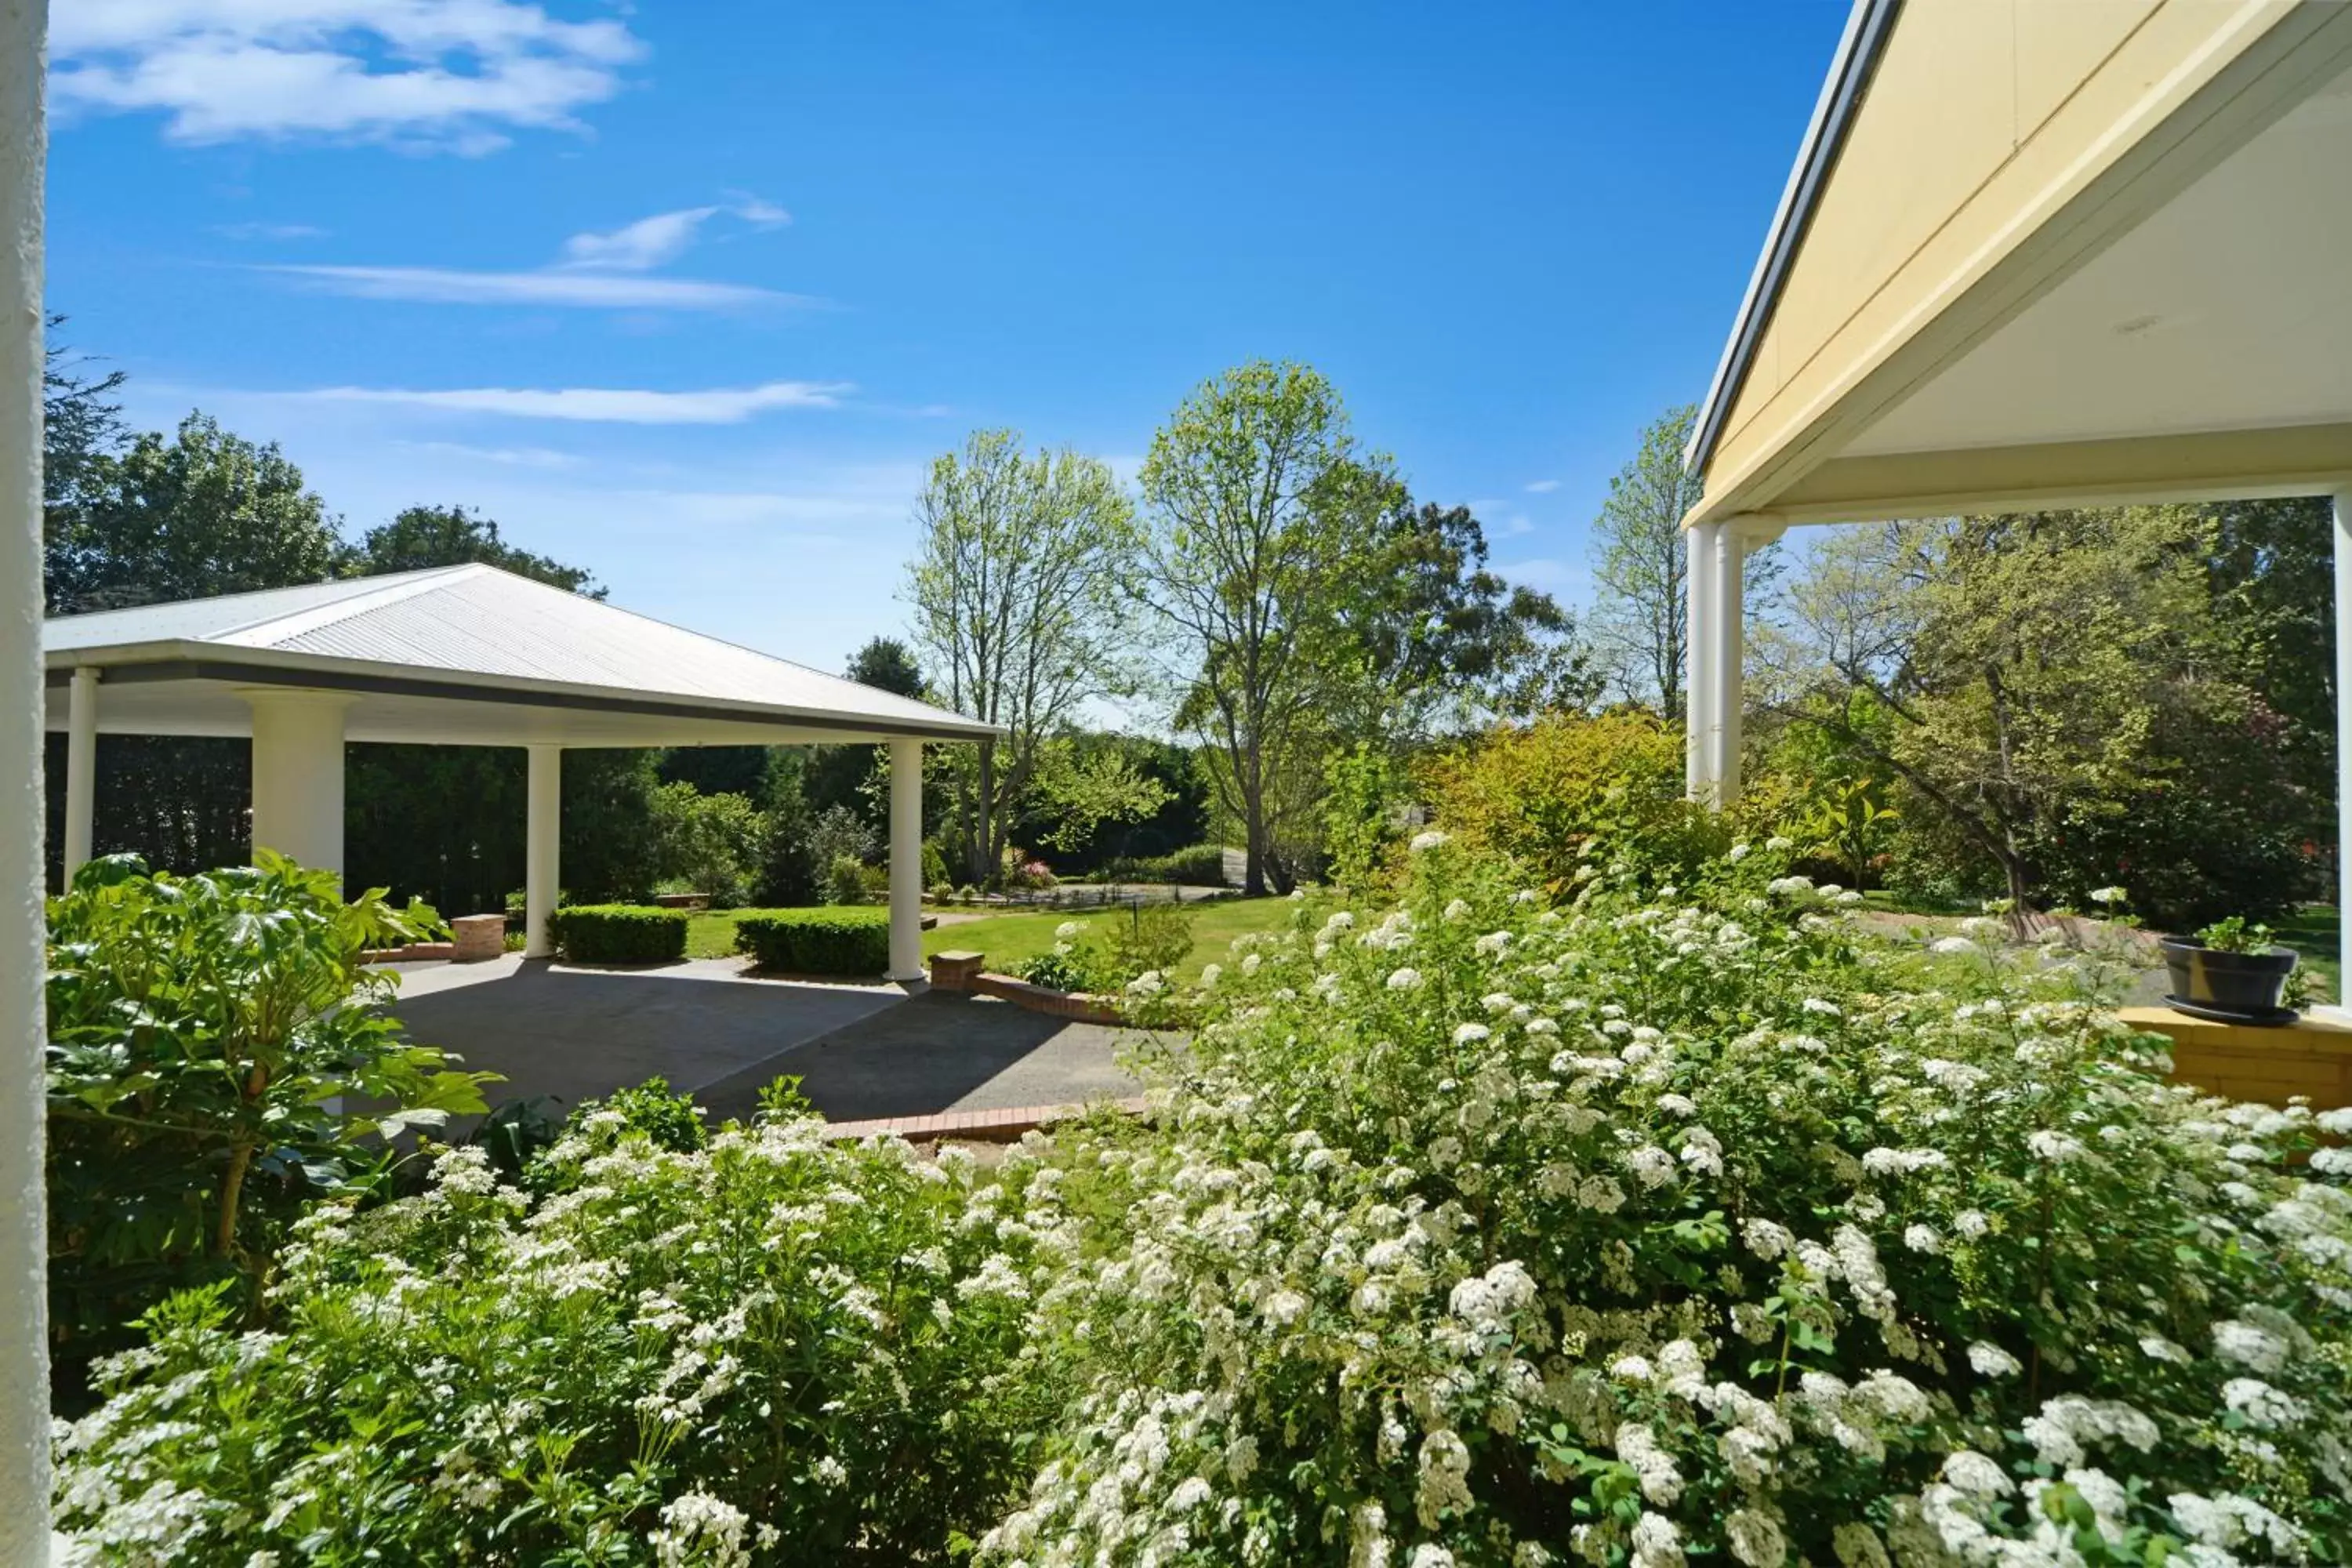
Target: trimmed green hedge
x=619 y=933
x=1204 y=865
x=832 y=940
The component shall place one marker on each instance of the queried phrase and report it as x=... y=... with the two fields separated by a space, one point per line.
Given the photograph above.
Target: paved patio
x=863 y=1052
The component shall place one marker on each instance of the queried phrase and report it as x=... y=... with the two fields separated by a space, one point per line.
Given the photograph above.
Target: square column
x=542 y=849
x=906 y=859
x=81 y=769
x=1699 y=665
x=1729 y=650
x=298 y=774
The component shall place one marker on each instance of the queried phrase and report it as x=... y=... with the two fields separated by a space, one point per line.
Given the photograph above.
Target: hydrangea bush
x=1489 y=1228
x=1693 y=1227
x=673 y=1357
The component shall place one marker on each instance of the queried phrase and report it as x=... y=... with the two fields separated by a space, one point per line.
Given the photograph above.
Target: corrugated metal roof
x=478 y=623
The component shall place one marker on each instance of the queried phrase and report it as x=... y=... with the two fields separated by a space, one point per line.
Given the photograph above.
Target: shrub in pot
x=2232 y=970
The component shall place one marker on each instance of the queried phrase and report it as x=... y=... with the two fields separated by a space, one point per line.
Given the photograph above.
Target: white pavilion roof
x=466 y=655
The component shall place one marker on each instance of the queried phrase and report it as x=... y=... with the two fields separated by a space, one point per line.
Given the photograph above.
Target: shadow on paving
x=578 y=1035
x=940 y=1051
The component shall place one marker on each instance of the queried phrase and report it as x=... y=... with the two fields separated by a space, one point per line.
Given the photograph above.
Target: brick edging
x=1005 y=1125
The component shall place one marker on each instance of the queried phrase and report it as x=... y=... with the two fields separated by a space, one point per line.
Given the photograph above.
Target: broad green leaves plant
x=211 y=1043
x=776 y=1348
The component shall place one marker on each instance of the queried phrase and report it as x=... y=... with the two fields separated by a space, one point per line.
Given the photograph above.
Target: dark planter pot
x=2240 y=986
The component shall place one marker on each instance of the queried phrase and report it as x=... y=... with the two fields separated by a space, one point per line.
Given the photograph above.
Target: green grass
x=711 y=934
x=1011 y=939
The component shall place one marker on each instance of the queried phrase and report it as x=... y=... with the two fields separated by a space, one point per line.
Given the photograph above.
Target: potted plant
x=2231 y=971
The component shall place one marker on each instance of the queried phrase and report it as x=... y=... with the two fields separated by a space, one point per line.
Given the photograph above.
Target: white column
x=2344 y=738
x=906 y=859
x=81 y=768
x=24 y=1246
x=1698 y=657
x=542 y=849
x=298 y=774
x=1729 y=650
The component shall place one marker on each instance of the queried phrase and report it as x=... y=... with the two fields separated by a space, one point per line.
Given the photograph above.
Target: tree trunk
x=984 y=846
x=1254 y=842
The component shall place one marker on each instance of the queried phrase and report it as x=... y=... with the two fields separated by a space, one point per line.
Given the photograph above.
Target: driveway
x=862 y=1051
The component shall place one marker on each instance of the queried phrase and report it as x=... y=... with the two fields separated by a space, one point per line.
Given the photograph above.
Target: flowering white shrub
x=1471 y=1231
x=671 y=1358
x=1634 y=1231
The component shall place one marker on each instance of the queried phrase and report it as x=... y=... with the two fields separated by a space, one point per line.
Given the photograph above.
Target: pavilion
x=2037 y=257
x=461 y=656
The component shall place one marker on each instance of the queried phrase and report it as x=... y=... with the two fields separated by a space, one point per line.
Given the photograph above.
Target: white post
x=1729 y=650
x=906 y=859
x=2343 y=501
x=24 y=1244
x=81 y=768
x=542 y=849
x=1698 y=658
x=297 y=776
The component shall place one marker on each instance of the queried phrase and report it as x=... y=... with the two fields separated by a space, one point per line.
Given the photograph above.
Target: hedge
x=619 y=933
x=1204 y=865
x=831 y=940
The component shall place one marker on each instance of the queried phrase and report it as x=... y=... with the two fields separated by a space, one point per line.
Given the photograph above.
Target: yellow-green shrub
x=1541 y=792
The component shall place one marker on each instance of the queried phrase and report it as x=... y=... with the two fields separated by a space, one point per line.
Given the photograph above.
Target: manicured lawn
x=1008 y=940
x=711 y=934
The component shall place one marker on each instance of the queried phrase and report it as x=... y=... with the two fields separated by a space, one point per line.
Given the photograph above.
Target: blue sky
x=689 y=294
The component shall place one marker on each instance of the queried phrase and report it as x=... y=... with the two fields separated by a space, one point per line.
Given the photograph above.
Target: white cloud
x=506 y=456
x=269 y=231
x=594 y=290
x=619 y=406
x=1543 y=487
x=663 y=236
x=1512 y=526
x=455 y=74
x=648 y=242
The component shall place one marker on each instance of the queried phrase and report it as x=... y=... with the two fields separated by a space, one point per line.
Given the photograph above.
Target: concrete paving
x=714 y=1031
x=578 y=1033
x=940 y=1051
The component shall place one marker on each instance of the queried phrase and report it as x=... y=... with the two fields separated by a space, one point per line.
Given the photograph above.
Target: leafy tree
x=889 y=665
x=2052 y=688
x=1641 y=566
x=1262 y=520
x=419 y=537
x=848 y=775
x=1445 y=643
x=205 y=513
x=714 y=844
x=81 y=425
x=1016 y=593
x=1077 y=790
